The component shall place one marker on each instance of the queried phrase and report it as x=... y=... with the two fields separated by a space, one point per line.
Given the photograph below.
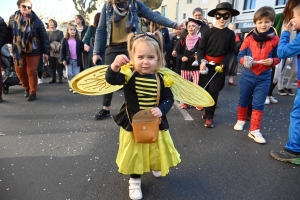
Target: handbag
x=145 y=126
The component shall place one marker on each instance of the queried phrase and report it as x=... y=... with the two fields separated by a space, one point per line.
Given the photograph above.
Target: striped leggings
x=191 y=75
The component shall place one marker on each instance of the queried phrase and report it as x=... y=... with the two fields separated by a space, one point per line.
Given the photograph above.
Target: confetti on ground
x=2 y=134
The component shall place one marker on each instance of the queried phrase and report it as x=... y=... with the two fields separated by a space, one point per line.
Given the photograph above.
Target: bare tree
x=86 y=8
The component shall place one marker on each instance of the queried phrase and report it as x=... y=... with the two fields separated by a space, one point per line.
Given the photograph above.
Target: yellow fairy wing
x=188 y=92
x=92 y=82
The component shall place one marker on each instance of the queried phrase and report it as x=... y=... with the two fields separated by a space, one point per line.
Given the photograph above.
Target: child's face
x=192 y=28
x=296 y=21
x=263 y=25
x=72 y=31
x=222 y=17
x=177 y=31
x=197 y=15
x=145 y=58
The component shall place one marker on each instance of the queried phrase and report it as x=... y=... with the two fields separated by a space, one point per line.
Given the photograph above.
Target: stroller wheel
x=5 y=90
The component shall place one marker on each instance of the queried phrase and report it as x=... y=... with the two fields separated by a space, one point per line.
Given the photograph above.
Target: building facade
x=180 y=10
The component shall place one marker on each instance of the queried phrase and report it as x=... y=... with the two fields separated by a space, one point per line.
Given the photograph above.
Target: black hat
x=197 y=21
x=223 y=6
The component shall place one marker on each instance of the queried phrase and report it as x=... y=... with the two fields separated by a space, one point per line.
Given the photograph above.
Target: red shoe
x=199 y=108
x=184 y=106
x=232 y=84
x=209 y=123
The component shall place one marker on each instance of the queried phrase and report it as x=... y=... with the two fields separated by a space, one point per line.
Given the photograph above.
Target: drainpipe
x=177 y=5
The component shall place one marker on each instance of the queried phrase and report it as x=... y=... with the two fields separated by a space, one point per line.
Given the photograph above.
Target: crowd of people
x=128 y=33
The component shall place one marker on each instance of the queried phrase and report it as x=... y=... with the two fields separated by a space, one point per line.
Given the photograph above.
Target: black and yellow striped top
x=146 y=89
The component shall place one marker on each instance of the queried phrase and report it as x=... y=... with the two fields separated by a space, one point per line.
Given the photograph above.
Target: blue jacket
x=103 y=31
x=287 y=49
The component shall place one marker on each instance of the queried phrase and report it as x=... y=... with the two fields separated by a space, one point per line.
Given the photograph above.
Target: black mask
x=224 y=15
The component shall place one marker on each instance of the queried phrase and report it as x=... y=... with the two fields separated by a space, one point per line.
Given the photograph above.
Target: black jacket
x=42 y=39
x=5 y=33
x=184 y=33
x=65 y=51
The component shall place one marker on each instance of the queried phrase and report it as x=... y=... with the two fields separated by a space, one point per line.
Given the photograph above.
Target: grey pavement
x=52 y=148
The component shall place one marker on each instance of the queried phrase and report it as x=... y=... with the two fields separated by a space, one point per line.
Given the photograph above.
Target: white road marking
x=184 y=113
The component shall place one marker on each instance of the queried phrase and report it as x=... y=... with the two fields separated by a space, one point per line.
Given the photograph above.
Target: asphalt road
x=53 y=149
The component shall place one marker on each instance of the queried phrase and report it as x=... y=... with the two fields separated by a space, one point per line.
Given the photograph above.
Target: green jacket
x=278 y=23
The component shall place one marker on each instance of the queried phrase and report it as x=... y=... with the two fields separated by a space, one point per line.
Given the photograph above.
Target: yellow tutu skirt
x=138 y=158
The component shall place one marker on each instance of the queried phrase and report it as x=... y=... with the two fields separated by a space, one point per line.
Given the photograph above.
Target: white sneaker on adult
x=135 y=191
x=273 y=100
x=156 y=173
x=40 y=81
x=257 y=136
x=267 y=100
x=239 y=126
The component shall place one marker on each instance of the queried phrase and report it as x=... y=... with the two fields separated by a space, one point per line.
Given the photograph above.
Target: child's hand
x=267 y=62
x=119 y=61
x=184 y=59
x=156 y=112
x=203 y=66
x=288 y=26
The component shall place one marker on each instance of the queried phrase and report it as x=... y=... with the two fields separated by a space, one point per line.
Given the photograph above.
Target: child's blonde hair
x=154 y=39
x=297 y=9
x=67 y=35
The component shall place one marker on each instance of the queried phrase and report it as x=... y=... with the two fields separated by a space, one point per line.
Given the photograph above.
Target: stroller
x=10 y=77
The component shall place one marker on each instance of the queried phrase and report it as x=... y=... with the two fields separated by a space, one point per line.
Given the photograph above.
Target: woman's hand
x=64 y=63
x=45 y=56
x=174 y=53
x=86 y=47
x=96 y=58
x=119 y=61
x=156 y=112
x=267 y=62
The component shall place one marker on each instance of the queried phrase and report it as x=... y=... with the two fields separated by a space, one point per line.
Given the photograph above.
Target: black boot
x=31 y=97
x=26 y=93
x=52 y=81
x=1 y=100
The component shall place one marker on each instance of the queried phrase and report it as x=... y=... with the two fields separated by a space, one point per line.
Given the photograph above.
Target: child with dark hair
x=258 y=54
x=216 y=48
x=186 y=52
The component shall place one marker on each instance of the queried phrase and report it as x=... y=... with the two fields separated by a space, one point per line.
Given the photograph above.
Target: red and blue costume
x=257 y=79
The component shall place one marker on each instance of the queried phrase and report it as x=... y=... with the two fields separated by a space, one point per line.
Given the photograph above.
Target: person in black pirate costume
x=216 y=48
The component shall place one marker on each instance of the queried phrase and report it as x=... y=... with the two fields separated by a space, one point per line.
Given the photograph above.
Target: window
x=184 y=16
x=164 y=11
x=203 y=1
x=189 y=1
x=281 y=2
x=249 y=4
x=204 y=14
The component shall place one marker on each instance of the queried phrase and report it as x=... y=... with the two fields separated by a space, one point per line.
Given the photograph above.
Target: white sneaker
x=74 y=92
x=267 y=100
x=135 y=191
x=239 y=125
x=40 y=81
x=273 y=100
x=70 y=90
x=257 y=136
x=156 y=173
